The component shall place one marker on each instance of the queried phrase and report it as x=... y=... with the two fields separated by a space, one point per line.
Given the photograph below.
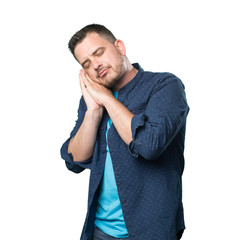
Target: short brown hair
x=92 y=28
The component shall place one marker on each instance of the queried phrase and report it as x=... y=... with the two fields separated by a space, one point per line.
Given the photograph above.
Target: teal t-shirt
x=109 y=215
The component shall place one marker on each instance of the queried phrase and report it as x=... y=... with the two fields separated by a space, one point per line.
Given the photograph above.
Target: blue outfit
x=148 y=171
x=109 y=216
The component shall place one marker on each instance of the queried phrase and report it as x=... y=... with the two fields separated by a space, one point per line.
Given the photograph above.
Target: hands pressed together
x=95 y=94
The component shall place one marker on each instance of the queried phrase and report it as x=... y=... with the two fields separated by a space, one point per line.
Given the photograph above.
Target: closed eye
x=85 y=64
x=99 y=51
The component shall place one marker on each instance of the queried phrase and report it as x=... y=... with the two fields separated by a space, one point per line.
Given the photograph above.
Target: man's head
x=79 y=36
x=101 y=55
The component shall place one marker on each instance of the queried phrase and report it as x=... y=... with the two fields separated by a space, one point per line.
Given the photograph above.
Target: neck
x=129 y=73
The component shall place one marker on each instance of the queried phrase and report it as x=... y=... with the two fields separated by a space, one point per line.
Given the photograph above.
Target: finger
x=81 y=73
x=85 y=80
x=82 y=84
x=88 y=78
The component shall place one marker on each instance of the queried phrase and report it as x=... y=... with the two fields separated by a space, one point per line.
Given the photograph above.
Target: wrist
x=94 y=114
x=108 y=100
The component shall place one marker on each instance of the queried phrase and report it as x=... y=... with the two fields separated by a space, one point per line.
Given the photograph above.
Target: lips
x=103 y=72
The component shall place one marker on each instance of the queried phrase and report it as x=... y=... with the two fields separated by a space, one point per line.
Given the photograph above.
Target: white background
x=39 y=94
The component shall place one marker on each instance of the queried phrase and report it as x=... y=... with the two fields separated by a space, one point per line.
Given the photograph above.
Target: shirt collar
x=133 y=82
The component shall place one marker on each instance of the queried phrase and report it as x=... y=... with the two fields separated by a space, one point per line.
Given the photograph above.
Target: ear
x=121 y=47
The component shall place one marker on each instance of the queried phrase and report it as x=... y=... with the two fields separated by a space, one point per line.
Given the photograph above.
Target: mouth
x=103 y=72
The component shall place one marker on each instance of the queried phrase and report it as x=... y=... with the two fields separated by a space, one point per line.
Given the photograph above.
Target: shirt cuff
x=76 y=167
x=138 y=121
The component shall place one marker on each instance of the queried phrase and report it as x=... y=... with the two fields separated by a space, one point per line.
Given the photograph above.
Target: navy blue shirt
x=148 y=171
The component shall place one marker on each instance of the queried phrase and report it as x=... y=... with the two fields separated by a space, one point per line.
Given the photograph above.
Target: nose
x=96 y=64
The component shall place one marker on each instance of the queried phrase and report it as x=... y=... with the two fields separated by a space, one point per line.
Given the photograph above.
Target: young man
x=130 y=132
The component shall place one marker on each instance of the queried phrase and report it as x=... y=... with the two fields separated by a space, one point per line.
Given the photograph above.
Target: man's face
x=101 y=60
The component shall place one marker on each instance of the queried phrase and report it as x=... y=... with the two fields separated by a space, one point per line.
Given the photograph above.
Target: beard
x=113 y=77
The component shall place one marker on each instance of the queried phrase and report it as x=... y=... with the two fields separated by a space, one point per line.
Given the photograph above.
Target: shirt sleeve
x=165 y=114
x=74 y=166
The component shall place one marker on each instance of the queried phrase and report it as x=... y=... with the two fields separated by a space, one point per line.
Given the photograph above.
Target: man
x=130 y=132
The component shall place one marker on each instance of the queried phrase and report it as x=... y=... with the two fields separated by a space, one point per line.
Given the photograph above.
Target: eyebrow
x=94 y=52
